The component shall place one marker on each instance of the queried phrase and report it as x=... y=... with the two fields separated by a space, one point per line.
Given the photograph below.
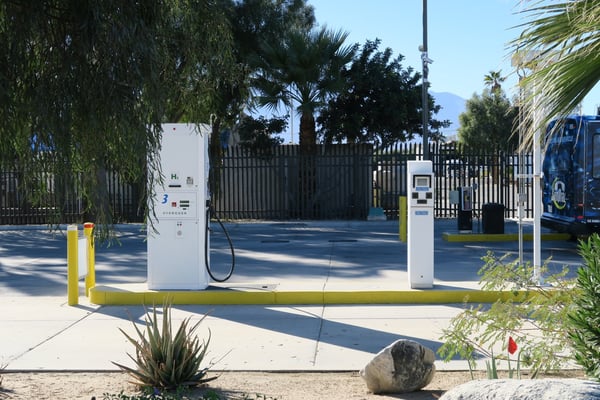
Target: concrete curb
x=122 y=295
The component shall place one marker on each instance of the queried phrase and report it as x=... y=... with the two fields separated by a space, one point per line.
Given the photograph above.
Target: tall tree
x=253 y=22
x=264 y=21
x=380 y=102
x=303 y=68
x=488 y=122
x=92 y=81
x=494 y=80
x=258 y=135
x=560 y=46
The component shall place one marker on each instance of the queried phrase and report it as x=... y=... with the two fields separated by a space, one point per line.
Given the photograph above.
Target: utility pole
x=292 y=122
x=425 y=106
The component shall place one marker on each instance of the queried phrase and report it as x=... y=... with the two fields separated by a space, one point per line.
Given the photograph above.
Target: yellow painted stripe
x=506 y=237
x=104 y=295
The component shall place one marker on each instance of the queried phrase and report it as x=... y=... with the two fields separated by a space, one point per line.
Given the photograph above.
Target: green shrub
x=211 y=395
x=585 y=317
x=165 y=360
x=537 y=321
x=148 y=394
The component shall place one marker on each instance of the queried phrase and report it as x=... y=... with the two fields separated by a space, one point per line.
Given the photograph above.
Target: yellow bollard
x=90 y=277
x=376 y=197
x=72 y=266
x=403 y=218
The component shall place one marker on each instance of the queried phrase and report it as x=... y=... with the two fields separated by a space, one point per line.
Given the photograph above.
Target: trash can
x=493 y=218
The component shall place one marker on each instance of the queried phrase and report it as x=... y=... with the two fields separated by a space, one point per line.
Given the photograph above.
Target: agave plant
x=165 y=360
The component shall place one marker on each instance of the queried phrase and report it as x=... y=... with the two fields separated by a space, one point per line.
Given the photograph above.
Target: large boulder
x=531 y=389
x=404 y=366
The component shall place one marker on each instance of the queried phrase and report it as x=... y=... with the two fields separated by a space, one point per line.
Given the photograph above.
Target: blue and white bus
x=571 y=176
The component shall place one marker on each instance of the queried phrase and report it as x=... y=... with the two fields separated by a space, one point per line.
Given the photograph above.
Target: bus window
x=596 y=156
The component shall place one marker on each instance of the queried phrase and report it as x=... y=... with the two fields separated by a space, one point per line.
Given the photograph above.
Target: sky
x=466 y=38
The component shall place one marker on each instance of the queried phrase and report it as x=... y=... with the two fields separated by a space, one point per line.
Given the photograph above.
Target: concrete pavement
x=39 y=331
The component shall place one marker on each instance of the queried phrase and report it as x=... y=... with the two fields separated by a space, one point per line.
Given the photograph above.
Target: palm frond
x=563 y=44
x=304 y=68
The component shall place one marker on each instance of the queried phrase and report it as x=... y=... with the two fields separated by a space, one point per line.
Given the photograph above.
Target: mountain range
x=452 y=106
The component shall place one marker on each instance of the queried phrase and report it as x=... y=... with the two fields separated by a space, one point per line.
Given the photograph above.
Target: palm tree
x=303 y=69
x=494 y=80
x=564 y=40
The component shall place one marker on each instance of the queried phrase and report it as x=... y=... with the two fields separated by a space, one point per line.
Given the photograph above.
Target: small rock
x=533 y=389
x=404 y=366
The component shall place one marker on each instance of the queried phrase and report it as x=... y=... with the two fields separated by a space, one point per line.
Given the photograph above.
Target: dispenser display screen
x=422 y=182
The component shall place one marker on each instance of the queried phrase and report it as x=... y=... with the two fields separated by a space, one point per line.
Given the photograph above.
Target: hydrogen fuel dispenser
x=177 y=250
x=420 y=192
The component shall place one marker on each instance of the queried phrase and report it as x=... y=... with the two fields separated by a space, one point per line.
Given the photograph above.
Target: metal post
x=424 y=94
x=537 y=194
x=90 y=278
x=521 y=177
x=72 y=266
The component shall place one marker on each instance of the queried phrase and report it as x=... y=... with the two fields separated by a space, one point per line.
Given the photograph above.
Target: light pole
x=425 y=103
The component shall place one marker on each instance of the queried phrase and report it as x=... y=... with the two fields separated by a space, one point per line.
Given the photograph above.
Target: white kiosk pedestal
x=176 y=253
x=421 y=197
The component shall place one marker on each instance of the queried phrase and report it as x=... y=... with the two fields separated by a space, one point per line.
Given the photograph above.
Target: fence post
x=72 y=266
x=90 y=278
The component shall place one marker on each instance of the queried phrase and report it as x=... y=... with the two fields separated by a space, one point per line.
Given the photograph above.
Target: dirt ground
x=228 y=385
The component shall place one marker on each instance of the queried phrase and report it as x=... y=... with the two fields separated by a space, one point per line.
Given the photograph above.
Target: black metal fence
x=336 y=183
x=45 y=196
x=339 y=182
x=498 y=177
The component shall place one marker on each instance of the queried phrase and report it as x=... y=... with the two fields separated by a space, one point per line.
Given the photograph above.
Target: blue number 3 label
x=165 y=199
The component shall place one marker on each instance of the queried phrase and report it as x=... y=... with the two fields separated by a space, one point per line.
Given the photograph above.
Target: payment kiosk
x=465 y=209
x=177 y=237
x=420 y=192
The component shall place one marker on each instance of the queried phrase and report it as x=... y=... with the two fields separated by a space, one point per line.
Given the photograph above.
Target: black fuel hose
x=207 y=250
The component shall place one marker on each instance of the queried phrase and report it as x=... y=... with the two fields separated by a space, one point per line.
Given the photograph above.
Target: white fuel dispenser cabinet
x=176 y=251
x=420 y=193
